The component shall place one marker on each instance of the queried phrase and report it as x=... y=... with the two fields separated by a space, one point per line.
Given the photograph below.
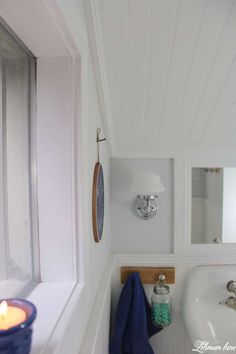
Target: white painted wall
x=96 y=340
x=98 y=252
x=129 y=233
x=54 y=91
x=96 y=255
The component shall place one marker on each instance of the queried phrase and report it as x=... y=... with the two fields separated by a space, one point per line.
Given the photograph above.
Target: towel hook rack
x=149 y=275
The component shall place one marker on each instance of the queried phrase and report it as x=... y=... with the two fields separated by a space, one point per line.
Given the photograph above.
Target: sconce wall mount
x=147 y=186
x=145 y=206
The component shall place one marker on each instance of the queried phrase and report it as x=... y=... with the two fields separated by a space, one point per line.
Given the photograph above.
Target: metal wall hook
x=99 y=141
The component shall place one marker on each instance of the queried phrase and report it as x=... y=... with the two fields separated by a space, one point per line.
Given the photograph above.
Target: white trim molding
x=95 y=36
x=96 y=340
x=178 y=153
x=171 y=259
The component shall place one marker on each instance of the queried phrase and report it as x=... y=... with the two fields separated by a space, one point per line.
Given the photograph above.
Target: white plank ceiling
x=170 y=66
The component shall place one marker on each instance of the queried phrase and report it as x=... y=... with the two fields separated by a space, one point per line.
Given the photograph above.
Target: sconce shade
x=147 y=183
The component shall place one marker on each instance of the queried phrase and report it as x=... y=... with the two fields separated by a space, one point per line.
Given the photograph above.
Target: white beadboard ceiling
x=169 y=72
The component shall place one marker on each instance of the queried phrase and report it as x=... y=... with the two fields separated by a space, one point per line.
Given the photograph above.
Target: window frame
x=54 y=20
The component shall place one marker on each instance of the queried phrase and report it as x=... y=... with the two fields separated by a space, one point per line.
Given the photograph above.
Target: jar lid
x=161 y=288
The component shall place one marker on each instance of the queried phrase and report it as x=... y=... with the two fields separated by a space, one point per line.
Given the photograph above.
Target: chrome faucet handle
x=231 y=286
x=229 y=302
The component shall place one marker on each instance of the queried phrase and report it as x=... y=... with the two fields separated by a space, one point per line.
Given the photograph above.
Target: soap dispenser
x=161 y=303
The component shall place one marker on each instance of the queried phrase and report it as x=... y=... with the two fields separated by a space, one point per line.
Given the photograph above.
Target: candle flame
x=3 y=309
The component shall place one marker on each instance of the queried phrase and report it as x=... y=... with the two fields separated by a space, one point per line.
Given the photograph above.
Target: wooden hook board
x=149 y=275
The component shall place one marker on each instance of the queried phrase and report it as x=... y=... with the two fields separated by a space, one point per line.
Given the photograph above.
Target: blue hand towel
x=133 y=323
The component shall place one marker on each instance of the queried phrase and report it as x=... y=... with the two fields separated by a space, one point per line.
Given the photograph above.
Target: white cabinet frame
x=183 y=203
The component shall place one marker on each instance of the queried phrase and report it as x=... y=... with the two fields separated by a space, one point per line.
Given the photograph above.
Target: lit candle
x=16 y=319
x=10 y=316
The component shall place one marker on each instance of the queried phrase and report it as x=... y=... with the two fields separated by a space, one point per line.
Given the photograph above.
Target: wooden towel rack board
x=149 y=275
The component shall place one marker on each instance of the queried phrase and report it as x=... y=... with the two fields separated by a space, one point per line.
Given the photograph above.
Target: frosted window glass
x=17 y=169
x=15 y=209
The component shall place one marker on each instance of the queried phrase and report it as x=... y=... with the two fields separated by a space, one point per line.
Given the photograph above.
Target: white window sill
x=50 y=300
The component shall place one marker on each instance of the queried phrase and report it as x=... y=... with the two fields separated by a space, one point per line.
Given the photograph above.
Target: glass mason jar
x=161 y=303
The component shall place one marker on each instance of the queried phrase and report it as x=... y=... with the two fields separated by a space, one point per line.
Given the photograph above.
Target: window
x=17 y=202
x=62 y=186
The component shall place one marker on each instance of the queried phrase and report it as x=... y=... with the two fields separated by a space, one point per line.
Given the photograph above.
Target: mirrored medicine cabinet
x=213 y=207
x=205 y=207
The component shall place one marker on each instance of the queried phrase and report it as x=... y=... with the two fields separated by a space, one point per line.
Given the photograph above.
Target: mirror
x=213 y=205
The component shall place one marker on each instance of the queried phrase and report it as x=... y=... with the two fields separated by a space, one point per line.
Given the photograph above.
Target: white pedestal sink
x=205 y=319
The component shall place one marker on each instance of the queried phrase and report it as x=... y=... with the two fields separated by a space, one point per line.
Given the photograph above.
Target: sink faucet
x=231 y=300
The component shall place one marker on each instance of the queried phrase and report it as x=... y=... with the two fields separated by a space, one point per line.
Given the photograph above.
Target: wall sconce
x=147 y=186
